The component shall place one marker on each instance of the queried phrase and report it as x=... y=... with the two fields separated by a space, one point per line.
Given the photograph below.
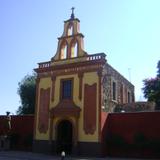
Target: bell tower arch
x=70 y=44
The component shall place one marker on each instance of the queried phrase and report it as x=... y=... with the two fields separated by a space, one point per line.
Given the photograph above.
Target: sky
x=127 y=31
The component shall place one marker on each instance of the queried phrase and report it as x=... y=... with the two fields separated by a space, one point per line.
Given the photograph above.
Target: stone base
x=82 y=148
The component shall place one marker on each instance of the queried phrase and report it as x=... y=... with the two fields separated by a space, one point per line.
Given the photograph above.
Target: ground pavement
x=16 y=155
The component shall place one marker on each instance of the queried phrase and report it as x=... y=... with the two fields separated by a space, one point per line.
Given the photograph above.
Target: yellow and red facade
x=82 y=111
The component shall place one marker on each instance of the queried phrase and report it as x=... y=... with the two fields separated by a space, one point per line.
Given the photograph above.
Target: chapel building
x=72 y=91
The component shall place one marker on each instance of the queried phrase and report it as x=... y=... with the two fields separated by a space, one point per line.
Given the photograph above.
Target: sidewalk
x=17 y=155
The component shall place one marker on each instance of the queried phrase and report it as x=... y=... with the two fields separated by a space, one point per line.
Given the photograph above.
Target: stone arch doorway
x=64 y=137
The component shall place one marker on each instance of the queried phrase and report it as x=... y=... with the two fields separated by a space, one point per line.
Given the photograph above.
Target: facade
x=73 y=89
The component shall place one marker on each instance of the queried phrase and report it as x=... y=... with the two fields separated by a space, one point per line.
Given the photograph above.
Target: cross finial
x=72 y=10
x=72 y=14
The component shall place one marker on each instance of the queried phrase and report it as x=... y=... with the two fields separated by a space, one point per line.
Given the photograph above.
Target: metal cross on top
x=72 y=15
x=72 y=10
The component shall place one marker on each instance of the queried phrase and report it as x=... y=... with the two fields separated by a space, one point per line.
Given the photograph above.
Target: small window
x=114 y=90
x=66 y=89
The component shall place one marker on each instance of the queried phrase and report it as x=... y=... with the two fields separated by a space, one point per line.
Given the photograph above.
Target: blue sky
x=128 y=31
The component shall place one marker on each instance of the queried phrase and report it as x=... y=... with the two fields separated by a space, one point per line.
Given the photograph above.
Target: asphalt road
x=16 y=155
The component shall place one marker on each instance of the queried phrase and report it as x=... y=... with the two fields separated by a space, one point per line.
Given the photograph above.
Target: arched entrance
x=64 y=137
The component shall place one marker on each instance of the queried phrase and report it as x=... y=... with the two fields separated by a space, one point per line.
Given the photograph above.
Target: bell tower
x=70 y=44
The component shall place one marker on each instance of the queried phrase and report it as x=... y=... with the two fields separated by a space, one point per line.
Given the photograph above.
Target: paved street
x=16 y=155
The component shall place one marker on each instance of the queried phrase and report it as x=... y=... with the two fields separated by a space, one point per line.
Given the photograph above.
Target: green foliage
x=118 y=108
x=158 y=67
x=27 y=92
x=151 y=88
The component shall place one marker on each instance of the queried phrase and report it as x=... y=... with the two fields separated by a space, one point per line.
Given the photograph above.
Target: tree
x=151 y=88
x=158 y=67
x=27 y=92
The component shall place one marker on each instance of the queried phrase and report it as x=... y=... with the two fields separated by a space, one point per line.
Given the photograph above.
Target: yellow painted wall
x=88 y=78
x=44 y=83
x=75 y=89
x=69 y=39
x=57 y=96
x=57 y=120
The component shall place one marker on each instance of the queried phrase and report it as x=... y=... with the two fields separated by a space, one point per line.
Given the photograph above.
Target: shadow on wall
x=140 y=147
x=21 y=133
x=132 y=135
